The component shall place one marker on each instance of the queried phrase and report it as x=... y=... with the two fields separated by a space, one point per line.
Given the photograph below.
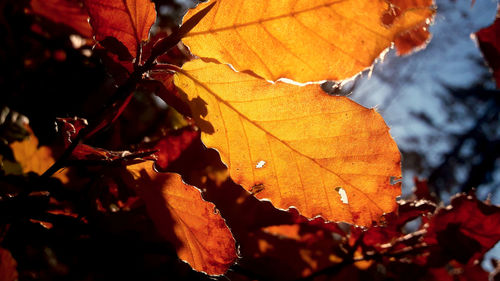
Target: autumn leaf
x=33 y=158
x=170 y=147
x=128 y=21
x=8 y=266
x=468 y=222
x=301 y=40
x=489 y=43
x=68 y=12
x=295 y=145
x=206 y=242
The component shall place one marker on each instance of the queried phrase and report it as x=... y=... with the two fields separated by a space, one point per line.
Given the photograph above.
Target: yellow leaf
x=201 y=236
x=36 y=159
x=303 y=40
x=295 y=145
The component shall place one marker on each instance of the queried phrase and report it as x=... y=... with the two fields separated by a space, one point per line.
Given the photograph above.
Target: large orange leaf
x=295 y=145
x=205 y=241
x=68 y=12
x=128 y=21
x=304 y=40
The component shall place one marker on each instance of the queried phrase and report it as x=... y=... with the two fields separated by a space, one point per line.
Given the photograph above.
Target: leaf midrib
x=216 y=96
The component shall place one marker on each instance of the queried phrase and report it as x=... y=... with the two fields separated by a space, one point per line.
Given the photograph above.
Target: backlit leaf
x=204 y=240
x=489 y=42
x=36 y=159
x=128 y=21
x=303 y=40
x=67 y=12
x=295 y=145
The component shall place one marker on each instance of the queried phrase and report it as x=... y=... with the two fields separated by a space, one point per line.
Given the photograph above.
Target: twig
x=161 y=47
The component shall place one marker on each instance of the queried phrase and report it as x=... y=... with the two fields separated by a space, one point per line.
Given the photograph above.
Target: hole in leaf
x=260 y=164
x=395 y=180
x=413 y=225
x=343 y=195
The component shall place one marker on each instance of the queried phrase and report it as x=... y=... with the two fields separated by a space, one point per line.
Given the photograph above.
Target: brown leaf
x=203 y=239
x=128 y=21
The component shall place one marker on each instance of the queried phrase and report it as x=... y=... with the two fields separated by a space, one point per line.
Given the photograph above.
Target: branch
x=123 y=92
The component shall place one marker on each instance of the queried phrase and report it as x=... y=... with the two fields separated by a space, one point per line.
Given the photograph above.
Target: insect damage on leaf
x=320 y=142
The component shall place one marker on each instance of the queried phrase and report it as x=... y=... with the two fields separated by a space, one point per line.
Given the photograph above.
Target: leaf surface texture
x=201 y=236
x=295 y=145
x=128 y=21
x=68 y=12
x=303 y=40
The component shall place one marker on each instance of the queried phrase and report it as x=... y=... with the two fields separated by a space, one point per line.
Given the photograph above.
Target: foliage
x=180 y=148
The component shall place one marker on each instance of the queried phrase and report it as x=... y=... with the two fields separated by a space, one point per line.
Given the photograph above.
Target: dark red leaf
x=68 y=12
x=489 y=43
x=466 y=230
x=164 y=88
x=116 y=47
x=69 y=129
x=422 y=190
x=170 y=147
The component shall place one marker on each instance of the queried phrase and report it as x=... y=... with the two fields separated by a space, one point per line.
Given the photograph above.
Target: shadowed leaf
x=128 y=21
x=207 y=243
x=67 y=12
x=489 y=43
x=170 y=147
x=8 y=266
x=467 y=222
x=35 y=159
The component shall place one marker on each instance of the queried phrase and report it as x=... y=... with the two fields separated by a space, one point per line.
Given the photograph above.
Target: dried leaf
x=68 y=12
x=128 y=21
x=302 y=40
x=203 y=239
x=325 y=155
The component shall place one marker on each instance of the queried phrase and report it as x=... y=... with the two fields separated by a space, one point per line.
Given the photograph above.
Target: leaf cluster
x=162 y=153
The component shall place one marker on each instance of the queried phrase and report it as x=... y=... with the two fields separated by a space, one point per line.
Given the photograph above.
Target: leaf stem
x=121 y=94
